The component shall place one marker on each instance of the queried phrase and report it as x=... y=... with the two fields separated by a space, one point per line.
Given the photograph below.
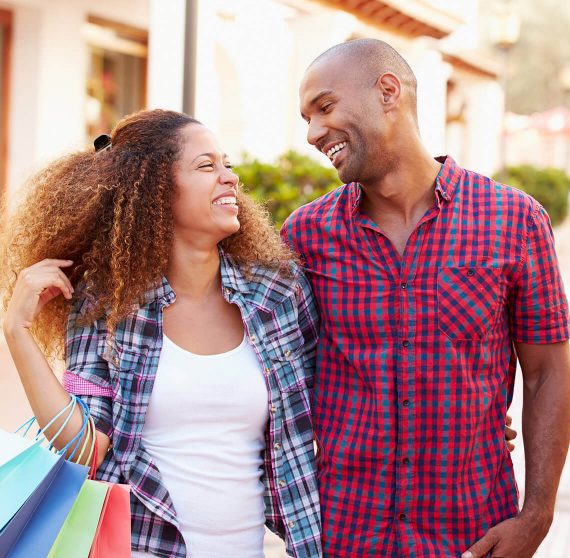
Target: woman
x=190 y=334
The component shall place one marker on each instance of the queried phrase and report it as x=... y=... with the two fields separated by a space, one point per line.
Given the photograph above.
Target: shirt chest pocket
x=467 y=301
x=126 y=369
x=285 y=353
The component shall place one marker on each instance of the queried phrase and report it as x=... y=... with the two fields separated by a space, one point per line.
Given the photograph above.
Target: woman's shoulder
x=264 y=285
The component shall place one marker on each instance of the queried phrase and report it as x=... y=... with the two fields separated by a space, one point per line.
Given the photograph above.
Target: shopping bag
x=12 y=445
x=33 y=534
x=113 y=537
x=77 y=533
x=26 y=474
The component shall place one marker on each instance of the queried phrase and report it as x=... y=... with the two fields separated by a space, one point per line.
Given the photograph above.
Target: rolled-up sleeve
x=86 y=372
x=539 y=312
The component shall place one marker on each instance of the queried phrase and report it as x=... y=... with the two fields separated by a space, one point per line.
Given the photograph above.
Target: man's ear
x=390 y=89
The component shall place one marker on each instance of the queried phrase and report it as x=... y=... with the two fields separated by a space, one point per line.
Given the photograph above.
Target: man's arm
x=546 y=435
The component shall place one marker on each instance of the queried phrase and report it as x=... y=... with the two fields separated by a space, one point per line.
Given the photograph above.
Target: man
x=431 y=281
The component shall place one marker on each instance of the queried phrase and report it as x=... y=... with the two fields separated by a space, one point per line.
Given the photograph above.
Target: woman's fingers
x=36 y=286
x=66 y=281
x=47 y=273
x=50 y=282
x=52 y=262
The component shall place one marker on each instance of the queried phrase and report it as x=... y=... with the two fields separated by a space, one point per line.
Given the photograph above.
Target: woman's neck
x=194 y=272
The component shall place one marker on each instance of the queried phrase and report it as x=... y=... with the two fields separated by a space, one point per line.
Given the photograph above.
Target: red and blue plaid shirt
x=280 y=317
x=415 y=365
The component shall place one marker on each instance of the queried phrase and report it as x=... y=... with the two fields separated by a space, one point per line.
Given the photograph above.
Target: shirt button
x=116 y=361
x=470 y=273
x=287 y=353
x=405 y=461
x=277 y=446
x=267 y=371
x=406 y=402
x=227 y=292
x=253 y=338
x=404 y=285
x=273 y=409
x=405 y=343
x=291 y=524
x=282 y=483
x=403 y=516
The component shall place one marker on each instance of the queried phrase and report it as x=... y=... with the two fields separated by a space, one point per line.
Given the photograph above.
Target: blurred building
x=71 y=68
x=541 y=139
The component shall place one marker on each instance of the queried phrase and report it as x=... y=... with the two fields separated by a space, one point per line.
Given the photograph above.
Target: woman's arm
x=35 y=287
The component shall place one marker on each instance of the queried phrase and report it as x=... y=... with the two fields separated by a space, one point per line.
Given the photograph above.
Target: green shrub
x=292 y=181
x=549 y=186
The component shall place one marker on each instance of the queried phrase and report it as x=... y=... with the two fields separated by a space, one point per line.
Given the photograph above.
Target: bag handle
x=70 y=407
x=78 y=436
x=89 y=439
x=93 y=466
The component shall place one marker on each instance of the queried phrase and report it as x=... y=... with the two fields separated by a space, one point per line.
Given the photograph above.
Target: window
x=116 y=79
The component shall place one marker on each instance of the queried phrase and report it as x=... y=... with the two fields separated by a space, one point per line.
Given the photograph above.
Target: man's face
x=344 y=116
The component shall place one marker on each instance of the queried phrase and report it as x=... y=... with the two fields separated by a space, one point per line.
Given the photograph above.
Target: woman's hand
x=35 y=287
x=510 y=433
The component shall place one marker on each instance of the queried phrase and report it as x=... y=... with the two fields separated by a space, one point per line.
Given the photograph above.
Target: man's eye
x=326 y=107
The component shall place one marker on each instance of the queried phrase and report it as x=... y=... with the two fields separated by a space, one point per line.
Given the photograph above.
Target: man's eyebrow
x=316 y=98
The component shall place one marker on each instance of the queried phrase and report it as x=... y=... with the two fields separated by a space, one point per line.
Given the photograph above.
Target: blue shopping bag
x=33 y=534
x=38 y=489
x=24 y=475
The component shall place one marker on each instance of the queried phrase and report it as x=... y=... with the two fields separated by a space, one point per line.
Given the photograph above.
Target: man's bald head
x=372 y=57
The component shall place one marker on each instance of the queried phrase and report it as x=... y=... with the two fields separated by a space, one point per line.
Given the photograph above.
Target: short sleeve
x=538 y=304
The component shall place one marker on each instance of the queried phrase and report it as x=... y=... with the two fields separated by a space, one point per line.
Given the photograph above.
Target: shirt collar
x=162 y=293
x=265 y=288
x=445 y=184
x=232 y=276
x=262 y=287
x=447 y=179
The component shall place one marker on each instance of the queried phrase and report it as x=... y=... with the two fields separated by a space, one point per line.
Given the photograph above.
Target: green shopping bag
x=78 y=531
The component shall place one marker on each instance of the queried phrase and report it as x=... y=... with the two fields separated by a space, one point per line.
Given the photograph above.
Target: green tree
x=548 y=186
x=292 y=181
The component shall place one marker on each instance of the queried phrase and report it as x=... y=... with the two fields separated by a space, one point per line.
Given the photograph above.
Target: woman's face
x=205 y=207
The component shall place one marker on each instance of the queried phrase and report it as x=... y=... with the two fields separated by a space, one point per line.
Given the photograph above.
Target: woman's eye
x=229 y=166
x=206 y=166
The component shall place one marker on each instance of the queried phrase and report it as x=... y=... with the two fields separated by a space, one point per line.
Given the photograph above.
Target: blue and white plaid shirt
x=280 y=317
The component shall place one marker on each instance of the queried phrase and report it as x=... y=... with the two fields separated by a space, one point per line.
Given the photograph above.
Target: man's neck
x=405 y=193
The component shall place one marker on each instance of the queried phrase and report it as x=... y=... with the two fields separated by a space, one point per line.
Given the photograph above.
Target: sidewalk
x=14 y=409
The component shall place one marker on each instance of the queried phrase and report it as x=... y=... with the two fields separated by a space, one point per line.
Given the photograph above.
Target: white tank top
x=204 y=429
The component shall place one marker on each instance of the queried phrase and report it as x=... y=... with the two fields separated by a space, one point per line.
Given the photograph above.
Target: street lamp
x=504 y=30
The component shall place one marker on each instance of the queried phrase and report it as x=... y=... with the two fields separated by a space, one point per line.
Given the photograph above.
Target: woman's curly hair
x=111 y=213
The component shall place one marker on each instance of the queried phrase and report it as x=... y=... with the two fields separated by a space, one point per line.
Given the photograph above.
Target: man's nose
x=315 y=132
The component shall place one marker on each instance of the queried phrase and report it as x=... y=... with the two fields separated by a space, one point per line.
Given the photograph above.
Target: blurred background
x=494 y=92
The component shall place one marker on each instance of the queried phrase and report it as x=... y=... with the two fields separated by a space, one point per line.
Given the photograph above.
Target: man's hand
x=518 y=537
x=510 y=434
